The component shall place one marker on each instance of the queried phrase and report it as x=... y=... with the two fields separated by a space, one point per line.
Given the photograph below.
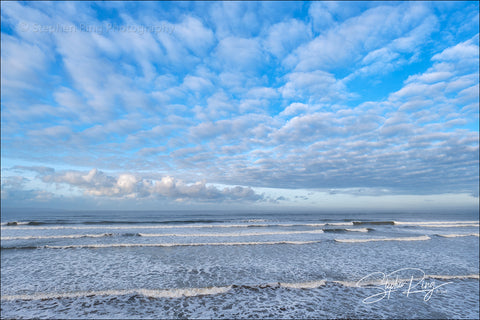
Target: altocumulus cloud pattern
x=211 y=102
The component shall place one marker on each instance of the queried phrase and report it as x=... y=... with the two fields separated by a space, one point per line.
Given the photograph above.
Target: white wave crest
x=190 y=226
x=340 y=224
x=191 y=292
x=458 y=235
x=449 y=225
x=439 y=224
x=238 y=234
x=120 y=245
x=199 y=226
x=303 y=285
x=138 y=227
x=354 y=284
x=357 y=230
x=14 y=223
x=25 y=225
x=71 y=236
x=161 y=293
x=433 y=222
x=420 y=238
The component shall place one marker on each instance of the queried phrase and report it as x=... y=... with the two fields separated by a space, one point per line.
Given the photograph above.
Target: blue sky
x=316 y=105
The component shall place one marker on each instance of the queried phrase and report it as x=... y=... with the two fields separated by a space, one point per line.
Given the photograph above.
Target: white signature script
x=410 y=280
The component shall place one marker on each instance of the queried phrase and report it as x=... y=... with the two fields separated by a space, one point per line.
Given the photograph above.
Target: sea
x=227 y=264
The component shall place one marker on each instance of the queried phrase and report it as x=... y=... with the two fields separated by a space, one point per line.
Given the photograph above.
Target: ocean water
x=112 y=264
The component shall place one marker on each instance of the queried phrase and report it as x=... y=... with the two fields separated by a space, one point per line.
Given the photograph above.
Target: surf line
x=191 y=292
x=194 y=244
x=420 y=238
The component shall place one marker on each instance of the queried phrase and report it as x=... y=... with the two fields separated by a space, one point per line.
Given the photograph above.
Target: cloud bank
x=96 y=183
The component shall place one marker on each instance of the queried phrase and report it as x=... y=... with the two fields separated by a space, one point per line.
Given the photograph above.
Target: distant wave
x=249 y=223
x=213 y=235
x=340 y=223
x=420 y=238
x=439 y=224
x=448 y=225
x=337 y=230
x=103 y=222
x=107 y=222
x=458 y=235
x=361 y=223
x=21 y=223
x=122 y=245
x=71 y=236
x=192 y=292
x=429 y=224
x=359 y=230
x=239 y=234
x=433 y=222
x=245 y=234
x=144 y=227
x=254 y=220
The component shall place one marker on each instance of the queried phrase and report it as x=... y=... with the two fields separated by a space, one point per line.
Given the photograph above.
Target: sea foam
x=420 y=238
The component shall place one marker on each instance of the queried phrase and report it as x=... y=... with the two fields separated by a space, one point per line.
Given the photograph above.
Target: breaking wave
x=458 y=235
x=124 y=245
x=249 y=223
x=361 y=223
x=165 y=293
x=242 y=234
x=71 y=236
x=420 y=238
x=192 y=292
x=336 y=230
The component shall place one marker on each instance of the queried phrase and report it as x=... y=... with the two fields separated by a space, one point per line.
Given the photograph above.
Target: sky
x=240 y=105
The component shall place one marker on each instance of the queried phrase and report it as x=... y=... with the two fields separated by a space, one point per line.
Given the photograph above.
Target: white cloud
x=347 y=42
x=285 y=36
x=467 y=50
x=22 y=60
x=197 y=84
x=294 y=108
x=127 y=185
x=239 y=18
x=195 y=36
x=313 y=86
x=240 y=54
x=262 y=93
x=322 y=18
